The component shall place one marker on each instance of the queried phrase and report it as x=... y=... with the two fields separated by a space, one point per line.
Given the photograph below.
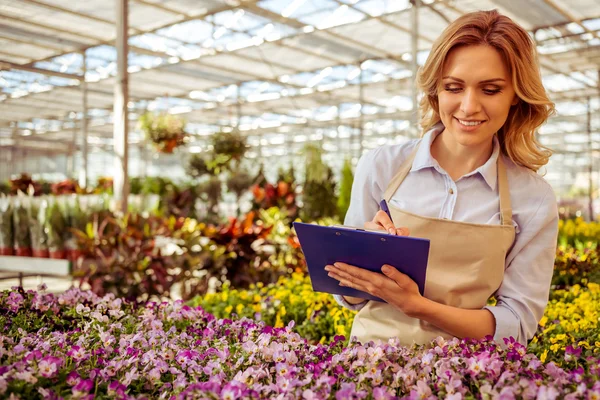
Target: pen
x=384 y=207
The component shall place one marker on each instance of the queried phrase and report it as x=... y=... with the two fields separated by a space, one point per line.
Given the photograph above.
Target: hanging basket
x=165 y=131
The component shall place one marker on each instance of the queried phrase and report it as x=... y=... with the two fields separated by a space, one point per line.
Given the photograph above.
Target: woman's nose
x=470 y=103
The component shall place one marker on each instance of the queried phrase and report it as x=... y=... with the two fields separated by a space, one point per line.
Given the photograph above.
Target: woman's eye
x=452 y=89
x=491 y=91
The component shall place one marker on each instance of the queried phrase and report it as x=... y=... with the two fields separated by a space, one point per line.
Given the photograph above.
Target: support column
x=120 y=114
x=83 y=172
x=414 y=66
x=591 y=166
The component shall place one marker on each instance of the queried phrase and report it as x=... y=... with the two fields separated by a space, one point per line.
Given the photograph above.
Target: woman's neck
x=458 y=160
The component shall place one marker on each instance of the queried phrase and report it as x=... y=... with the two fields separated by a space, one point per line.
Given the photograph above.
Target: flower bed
x=569 y=330
x=78 y=345
x=317 y=316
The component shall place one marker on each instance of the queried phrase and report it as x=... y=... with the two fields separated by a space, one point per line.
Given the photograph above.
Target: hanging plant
x=229 y=144
x=165 y=131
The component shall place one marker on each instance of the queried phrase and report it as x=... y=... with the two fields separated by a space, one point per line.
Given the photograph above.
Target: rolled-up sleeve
x=342 y=302
x=523 y=294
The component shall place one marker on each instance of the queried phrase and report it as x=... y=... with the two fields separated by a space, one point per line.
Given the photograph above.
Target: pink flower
x=49 y=366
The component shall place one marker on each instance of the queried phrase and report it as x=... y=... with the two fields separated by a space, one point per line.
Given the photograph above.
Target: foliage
x=229 y=144
x=197 y=166
x=577 y=231
x=23 y=183
x=286 y=254
x=319 y=188
x=237 y=252
x=121 y=256
x=281 y=195
x=569 y=332
x=347 y=178
x=22 y=238
x=6 y=227
x=68 y=186
x=39 y=241
x=54 y=227
x=79 y=345
x=576 y=265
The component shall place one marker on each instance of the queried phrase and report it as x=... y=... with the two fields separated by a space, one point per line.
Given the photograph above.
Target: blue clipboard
x=325 y=245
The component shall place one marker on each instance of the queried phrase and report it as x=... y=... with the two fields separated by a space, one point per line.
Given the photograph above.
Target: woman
x=470 y=186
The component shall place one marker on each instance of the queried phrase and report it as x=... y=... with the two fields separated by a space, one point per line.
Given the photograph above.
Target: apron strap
x=400 y=175
x=503 y=191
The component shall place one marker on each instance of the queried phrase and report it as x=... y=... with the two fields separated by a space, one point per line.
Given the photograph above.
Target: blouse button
x=451 y=191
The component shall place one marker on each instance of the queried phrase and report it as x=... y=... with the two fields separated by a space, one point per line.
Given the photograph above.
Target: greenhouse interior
x=157 y=156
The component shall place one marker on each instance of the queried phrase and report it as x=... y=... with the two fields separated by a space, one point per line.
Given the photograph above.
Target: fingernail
x=341 y=284
x=330 y=275
x=336 y=265
x=386 y=269
x=392 y=231
x=327 y=268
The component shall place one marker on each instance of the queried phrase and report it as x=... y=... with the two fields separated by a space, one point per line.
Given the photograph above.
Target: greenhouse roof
x=271 y=67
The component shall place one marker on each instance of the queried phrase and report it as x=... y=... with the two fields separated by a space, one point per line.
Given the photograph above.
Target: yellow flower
x=544 y=356
x=228 y=309
x=555 y=348
x=239 y=308
x=543 y=321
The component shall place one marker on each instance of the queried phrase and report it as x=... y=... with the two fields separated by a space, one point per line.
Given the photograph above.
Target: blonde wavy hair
x=517 y=135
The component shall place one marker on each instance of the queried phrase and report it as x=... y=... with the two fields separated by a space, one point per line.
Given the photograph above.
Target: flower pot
x=58 y=255
x=23 y=252
x=41 y=253
x=6 y=251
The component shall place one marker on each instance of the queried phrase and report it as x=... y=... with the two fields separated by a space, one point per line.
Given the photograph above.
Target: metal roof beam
x=10 y=65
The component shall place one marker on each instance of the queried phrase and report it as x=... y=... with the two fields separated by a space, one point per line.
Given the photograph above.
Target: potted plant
x=37 y=216
x=319 y=198
x=23 y=184
x=165 y=131
x=55 y=226
x=22 y=238
x=6 y=227
x=346 y=181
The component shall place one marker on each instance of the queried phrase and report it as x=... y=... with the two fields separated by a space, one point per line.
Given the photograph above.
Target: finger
x=395 y=275
x=381 y=218
x=374 y=226
x=402 y=231
x=359 y=273
x=348 y=281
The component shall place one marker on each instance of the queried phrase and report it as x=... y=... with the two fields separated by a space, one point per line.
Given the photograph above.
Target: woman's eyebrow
x=485 y=81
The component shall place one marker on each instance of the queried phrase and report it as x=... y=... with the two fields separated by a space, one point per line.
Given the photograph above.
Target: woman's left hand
x=393 y=286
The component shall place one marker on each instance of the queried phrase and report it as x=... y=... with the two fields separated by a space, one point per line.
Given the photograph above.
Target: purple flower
x=73 y=378
x=116 y=388
x=83 y=387
x=572 y=353
x=49 y=366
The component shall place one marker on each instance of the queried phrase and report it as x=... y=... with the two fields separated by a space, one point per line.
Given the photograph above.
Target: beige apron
x=465 y=268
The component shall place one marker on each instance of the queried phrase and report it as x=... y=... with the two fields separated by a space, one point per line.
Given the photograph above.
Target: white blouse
x=429 y=191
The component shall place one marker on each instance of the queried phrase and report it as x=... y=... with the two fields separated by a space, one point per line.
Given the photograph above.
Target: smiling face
x=475 y=95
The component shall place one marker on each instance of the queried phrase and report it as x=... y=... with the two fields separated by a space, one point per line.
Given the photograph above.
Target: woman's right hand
x=382 y=222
